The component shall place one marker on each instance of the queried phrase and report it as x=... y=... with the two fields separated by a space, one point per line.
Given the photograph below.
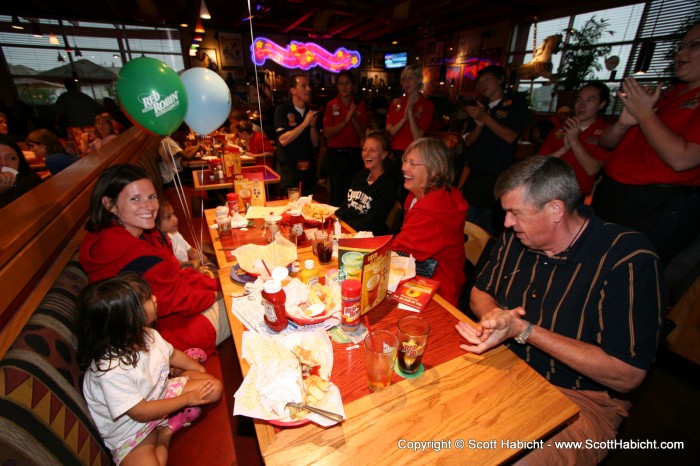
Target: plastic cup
x=293 y=194
x=246 y=197
x=380 y=352
x=224 y=226
x=413 y=337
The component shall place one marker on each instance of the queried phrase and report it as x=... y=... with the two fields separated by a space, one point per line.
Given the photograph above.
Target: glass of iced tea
x=380 y=352
x=413 y=337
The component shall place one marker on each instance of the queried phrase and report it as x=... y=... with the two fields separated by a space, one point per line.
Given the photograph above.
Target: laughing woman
x=373 y=192
x=433 y=229
x=122 y=238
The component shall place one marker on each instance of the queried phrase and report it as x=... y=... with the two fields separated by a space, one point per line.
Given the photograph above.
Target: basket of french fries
x=314 y=212
x=294 y=368
x=311 y=304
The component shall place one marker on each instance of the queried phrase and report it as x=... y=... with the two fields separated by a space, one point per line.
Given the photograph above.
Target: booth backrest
x=44 y=419
x=42 y=230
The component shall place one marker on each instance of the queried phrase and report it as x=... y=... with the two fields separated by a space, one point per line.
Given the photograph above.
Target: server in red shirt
x=652 y=179
x=411 y=114
x=576 y=141
x=344 y=124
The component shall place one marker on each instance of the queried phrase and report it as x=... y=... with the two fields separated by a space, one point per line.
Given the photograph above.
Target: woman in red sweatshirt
x=433 y=227
x=122 y=237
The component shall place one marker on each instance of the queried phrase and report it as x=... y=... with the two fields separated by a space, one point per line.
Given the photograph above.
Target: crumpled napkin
x=402 y=268
x=280 y=252
x=275 y=375
x=238 y=221
x=297 y=293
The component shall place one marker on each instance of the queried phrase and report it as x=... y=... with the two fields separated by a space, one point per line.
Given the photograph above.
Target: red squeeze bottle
x=350 y=295
x=273 y=299
x=232 y=201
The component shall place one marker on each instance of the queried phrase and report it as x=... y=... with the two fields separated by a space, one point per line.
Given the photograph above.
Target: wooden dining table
x=253 y=172
x=463 y=409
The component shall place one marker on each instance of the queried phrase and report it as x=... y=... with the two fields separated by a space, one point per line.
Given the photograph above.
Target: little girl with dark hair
x=128 y=385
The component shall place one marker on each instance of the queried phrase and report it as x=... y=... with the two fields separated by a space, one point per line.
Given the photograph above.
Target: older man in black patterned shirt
x=580 y=300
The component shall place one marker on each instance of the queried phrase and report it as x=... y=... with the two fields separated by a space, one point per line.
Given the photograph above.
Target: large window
x=91 y=52
x=657 y=21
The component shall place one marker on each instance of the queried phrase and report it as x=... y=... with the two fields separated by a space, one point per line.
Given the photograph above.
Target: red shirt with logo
x=590 y=138
x=335 y=113
x=635 y=162
x=423 y=112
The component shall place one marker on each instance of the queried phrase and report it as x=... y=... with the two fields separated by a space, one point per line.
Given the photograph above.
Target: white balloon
x=208 y=100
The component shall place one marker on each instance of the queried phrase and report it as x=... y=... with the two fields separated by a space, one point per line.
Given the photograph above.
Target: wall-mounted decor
x=231 y=46
x=206 y=58
x=467 y=47
x=304 y=55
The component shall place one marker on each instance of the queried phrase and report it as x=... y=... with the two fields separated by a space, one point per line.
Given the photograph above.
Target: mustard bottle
x=309 y=275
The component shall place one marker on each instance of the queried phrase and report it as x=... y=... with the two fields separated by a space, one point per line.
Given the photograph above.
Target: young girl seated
x=127 y=383
x=167 y=222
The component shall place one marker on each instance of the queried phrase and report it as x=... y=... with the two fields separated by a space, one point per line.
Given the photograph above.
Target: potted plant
x=580 y=57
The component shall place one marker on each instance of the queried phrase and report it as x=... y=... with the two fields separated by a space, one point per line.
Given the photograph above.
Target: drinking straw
x=300 y=189
x=369 y=331
x=265 y=265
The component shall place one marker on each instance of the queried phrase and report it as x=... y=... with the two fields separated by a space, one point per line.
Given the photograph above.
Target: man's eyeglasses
x=691 y=44
x=410 y=163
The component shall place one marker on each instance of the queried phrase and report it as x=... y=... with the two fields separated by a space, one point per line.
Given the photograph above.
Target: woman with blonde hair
x=373 y=192
x=433 y=229
x=104 y=132
x=410 y=115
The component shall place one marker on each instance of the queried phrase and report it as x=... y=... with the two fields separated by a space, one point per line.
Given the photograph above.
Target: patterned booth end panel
x=44 y=419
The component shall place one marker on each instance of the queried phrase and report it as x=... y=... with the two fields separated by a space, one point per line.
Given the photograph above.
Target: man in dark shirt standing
x=581 y=301
x=297 y=137
x=492 y=142
x=75 y=108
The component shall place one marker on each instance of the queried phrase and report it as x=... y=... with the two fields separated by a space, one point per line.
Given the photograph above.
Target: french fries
x=315 y=388
x=316 y=211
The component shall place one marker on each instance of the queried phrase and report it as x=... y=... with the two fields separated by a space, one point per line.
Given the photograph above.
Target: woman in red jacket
x=433 y=228
x=122 y=237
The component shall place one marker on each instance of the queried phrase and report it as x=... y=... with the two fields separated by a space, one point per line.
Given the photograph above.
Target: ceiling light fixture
x=53 y=40
x=198 y=27
x=36 y=32
x=78 y=53
x=198 y=38
x=204 y=11
x=15 y=23
x=60 y=57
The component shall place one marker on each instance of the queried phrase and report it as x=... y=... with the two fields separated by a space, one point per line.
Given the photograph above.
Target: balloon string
x=180 y=190
x=257 y=90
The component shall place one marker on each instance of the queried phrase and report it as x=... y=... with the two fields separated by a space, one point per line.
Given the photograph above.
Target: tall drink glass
x=413 y=337
x=380 y=352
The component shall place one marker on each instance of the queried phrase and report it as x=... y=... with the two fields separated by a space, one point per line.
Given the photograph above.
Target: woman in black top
x=373 y=191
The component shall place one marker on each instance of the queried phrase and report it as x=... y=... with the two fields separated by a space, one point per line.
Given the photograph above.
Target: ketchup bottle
x=273 y=299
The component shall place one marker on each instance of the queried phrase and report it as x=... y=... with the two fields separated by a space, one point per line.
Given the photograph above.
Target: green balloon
x=152 y=95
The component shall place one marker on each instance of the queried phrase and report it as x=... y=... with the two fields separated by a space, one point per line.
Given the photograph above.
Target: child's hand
x=202 y=395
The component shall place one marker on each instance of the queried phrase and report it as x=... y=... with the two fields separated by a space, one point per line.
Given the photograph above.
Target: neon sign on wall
x=303 y=55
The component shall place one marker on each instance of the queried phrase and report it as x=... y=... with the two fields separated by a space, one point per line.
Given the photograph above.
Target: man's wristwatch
x=525 y=334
